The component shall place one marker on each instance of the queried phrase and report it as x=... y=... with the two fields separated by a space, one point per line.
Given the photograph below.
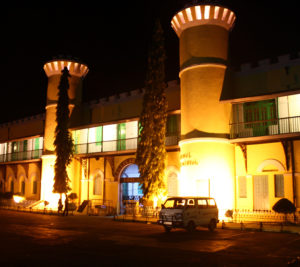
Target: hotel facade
x=231 y=134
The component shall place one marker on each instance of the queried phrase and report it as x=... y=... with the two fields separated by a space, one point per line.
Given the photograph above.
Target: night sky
x=113 y=37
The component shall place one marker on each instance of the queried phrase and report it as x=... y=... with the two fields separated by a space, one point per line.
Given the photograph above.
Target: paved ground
x=48 y=240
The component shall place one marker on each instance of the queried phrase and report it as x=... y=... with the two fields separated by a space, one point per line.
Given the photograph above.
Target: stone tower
x=53 y=70
x=206 y=155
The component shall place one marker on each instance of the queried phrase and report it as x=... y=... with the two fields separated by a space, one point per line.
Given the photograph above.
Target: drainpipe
x=88 y=189
x=104 y=178
x=293 y=173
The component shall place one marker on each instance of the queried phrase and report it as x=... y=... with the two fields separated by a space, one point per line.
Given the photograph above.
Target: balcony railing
x=117 y=145
x=265 y=127
x=23 y=155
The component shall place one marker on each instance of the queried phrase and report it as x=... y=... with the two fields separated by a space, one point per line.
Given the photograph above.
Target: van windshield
x=175 y=203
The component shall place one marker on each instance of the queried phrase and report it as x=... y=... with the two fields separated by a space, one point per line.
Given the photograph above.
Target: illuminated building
x=233 y=135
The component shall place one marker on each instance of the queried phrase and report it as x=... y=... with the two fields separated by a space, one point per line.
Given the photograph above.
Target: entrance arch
x=130 y=187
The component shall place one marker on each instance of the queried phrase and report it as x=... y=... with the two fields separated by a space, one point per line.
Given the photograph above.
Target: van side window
x=202 y=204
x=180 y=203
x=211 y=202
x=191 y=203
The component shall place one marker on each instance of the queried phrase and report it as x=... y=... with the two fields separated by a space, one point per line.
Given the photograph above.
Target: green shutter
x=172 y=125
x=36 y=148
x=121 y=136
x=25 y=146
x=140 y=128
x=37 y=143
x=262 y=114
x=99 y=136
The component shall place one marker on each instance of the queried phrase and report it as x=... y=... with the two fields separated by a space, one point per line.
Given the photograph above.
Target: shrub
x=284 y=206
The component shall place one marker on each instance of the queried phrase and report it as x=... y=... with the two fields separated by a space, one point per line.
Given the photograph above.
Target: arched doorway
x=131 y=191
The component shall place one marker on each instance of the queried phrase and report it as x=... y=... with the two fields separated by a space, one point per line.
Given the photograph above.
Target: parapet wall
x=268 y=64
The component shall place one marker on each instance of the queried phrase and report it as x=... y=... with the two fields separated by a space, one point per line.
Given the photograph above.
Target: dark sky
x=112 y=38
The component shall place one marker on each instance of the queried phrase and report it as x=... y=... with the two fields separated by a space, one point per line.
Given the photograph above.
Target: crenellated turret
x=206 y=155
x=53 y=70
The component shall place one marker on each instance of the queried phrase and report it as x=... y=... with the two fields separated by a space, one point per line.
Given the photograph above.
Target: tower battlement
x=54 y=67
x=202 y=15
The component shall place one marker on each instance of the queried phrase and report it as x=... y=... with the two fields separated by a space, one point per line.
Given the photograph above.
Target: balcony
x=118 y=145
x=23 y=155
x=272 y=127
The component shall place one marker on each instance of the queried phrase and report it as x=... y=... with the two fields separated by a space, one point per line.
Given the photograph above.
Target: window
x=191 y=203
x=97 y=185
x=34 y=187
x=260 y=115
x=23 y=187
x=121 y=136
x=202 y=203
x=173 y=125
x=242 y=187
x=169 y=203
x=12 y=186
x=95 y=139
x=131 y=134
x=109 y=137
x=279 y=185
x=211 y=202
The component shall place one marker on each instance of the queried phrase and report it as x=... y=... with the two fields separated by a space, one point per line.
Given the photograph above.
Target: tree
x=64 y=147
x=284 y=206
x=151 y=152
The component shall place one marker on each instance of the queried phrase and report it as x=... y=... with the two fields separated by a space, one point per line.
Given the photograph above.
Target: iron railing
x=265 y=127
x=23 y=155
x=264 y=216
x=118 y=145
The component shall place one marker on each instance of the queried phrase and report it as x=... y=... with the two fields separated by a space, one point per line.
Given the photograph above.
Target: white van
x=188 y=213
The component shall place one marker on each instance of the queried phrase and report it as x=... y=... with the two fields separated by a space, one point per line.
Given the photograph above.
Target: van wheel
x=167 y=229
x=191 y=226
x=212 y=225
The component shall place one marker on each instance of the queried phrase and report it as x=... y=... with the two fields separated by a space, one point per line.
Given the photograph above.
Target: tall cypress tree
x=63 y=140
x=151 y=153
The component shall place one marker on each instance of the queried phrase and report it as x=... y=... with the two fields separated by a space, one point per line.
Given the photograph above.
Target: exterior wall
x=27 y=172
x=262 y=159
x=110 y=169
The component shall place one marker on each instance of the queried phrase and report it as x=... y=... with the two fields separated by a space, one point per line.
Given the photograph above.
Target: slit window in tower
x=217 y=9
x=176 y=22
x=198 y=12
x=206 y=12
x=181 y=17
x=189 y=14
x=225 y=11
x=230 y=17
